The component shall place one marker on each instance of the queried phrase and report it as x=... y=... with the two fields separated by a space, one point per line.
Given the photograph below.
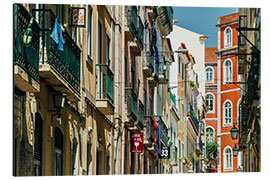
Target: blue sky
x=201 y=20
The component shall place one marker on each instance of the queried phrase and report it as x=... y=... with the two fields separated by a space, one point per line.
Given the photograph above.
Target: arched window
x=210 y=134
x=209 y=74
x=209 y=98
x=228 y=37
x=227 y=159
x=227 y=109
x=227 y=71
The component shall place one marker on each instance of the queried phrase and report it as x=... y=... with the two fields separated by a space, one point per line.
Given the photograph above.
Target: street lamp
x=234 y=132
x=59 y=102
x=235 y=150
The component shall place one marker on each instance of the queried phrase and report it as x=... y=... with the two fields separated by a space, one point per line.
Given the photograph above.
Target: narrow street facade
x=109 y=90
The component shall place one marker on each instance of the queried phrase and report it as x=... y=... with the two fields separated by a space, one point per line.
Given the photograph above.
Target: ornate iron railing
x=194 y=118
x=131 y=15
x=66 y=62
x=26 y=57
x=105 y=82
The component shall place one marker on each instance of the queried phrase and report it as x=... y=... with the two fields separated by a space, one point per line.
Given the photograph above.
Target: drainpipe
x=123 y=89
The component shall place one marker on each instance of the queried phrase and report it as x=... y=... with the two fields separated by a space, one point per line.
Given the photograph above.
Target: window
x=227 y=113
x=210 y=136
x=183 y=71
x=209 y=98
x=179 y=64
x=183 y=115
x=239 y=109
x=209 y=74
x=90 y=31
x=38 y=146
x=228 y=37
x=227 y=159
x=108 y=42
x=58 y=152
x=227 y=71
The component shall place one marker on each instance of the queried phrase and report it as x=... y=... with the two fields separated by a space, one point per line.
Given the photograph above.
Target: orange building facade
x=228 y=92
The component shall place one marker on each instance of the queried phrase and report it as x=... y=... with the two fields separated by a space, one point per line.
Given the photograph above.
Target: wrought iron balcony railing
x=131 y=16
x=141 y=115
x=163 y=132
x=140 y=30
x=132 y=105
x=66 y=62
x=194 y=118
x=151 y=129
x=26 y=57
x=105 y=85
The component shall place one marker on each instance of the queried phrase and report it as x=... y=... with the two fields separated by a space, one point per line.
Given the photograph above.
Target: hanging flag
x=27 y=37
x=57 y=35
x=155 y=129
x=157 y=147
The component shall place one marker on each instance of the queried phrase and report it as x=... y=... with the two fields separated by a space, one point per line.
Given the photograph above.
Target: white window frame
x=228 y=43
x=225 y=163
x=213 y=111
x=227 y=76
x=210 y=127
x=211 y=80
x=224 y=112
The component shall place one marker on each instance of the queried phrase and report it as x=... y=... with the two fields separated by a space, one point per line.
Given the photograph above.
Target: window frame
x=225 y=163
x=227 y=76
x=213 y=109
x=211 y=80
x=224 y=113
x=213 y=137
x=226 y=34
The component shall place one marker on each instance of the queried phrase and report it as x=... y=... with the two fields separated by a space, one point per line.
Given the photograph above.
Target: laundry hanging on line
x=57 y=35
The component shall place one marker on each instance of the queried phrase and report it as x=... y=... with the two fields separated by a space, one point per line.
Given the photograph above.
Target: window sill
x=229 y=169
x=227 y=125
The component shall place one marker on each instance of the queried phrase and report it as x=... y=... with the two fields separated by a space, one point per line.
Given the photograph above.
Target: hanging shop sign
x=164 y=152
x=78 y=17
x=137 y=143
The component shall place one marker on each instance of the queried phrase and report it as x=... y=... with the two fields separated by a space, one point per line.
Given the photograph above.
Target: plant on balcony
x=211 y=149
x=192 y=84
x=194 y=156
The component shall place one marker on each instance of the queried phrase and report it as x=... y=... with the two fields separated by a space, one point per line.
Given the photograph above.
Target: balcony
x=163 y=132
x=26 y=68
x=165 y=19
x=140 y=34
x=61 y=69
x=173 y=155
x=131 y=108
x=149 y=141
x=148 y=65
x=105 y=89
x=141 y=123
x=161 y=73
x=194 y=119
x=131 y=22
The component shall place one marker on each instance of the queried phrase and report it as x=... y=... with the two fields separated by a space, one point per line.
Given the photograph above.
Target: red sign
x=137 y=143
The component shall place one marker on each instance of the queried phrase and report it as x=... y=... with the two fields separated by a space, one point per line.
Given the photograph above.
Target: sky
x=201 y=20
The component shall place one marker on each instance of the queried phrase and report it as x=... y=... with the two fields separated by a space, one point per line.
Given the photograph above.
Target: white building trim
x=227 y=91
